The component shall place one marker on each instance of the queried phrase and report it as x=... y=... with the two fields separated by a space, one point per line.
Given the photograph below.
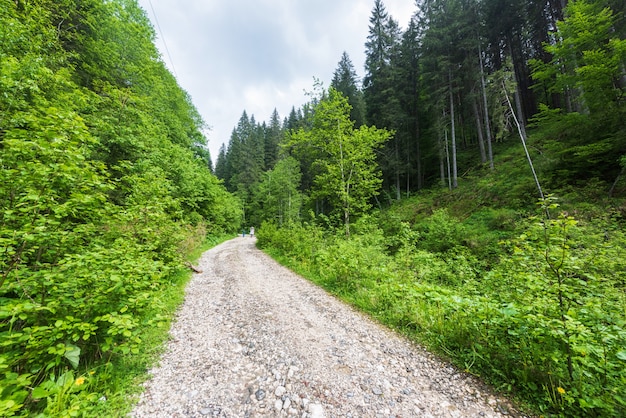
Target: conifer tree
x=380 y=90
x=345 y=81
x=273 y=137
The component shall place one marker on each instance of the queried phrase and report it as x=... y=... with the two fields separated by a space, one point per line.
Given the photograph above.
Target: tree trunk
x=448 y=161
x=442 y=165
x=397 y=164
x=420 y=182
x=479 y=131
x=452 y=132
x=522 y=134
x=485 y=108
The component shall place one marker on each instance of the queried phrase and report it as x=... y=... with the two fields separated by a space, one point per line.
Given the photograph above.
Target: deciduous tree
x=348 y=174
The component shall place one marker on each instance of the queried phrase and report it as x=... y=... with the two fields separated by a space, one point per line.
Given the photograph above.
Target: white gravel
x=253 y=339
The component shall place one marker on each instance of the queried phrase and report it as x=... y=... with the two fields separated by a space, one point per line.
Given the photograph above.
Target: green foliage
x=277 y=195
x=573 y=296
x=544 y=321
x=588 y=69
x=347 y=174
x=104 y=189
x=345 y=82
x=440 y=232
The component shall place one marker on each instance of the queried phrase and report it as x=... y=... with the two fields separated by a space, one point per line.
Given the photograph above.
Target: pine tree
x=345 y=81
x=380 y=89
x=221 y=170
x=408 y=85
x=273 y=137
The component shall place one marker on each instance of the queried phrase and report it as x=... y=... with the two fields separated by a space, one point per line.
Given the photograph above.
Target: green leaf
x=621 y=355
x=72 y=354
x=39 y=393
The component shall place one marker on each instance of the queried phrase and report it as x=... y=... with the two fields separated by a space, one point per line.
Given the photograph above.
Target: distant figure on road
x=252 y=231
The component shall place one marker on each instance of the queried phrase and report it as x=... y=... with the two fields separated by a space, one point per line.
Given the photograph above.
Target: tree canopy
x=105 y=181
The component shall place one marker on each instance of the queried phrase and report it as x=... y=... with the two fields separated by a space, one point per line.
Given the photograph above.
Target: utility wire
x=167 y=51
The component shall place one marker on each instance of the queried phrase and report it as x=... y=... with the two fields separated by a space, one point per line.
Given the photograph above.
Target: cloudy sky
x=257 y=55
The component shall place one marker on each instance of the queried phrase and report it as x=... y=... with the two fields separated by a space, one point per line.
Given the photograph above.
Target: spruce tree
x=345 y=81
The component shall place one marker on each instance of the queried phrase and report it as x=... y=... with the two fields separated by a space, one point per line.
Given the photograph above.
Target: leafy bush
x=440 y=232
x=102 y=176
x=545 y=322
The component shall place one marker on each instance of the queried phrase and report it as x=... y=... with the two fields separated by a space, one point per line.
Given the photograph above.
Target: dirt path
x=253 y=339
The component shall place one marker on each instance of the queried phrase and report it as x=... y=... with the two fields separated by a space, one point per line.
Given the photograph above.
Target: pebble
x=259 y=394
x=316 y=410
x=249 y=328
x=278 y=404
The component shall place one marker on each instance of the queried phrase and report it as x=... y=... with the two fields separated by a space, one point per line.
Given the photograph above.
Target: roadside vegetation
x=470 y=192
x=105 y=191
x=534 y=305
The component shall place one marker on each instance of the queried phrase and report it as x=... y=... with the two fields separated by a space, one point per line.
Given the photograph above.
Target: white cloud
x=257 y=55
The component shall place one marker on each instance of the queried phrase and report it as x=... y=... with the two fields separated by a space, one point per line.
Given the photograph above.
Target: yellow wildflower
x=79 y=381
x=560 y=390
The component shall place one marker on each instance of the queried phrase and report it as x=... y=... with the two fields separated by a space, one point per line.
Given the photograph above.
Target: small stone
x=278 y=405
x=287 y=403
x=316 y=411
x=206 y=411
x=280 y=391
x=260 y=394
x=377 y=391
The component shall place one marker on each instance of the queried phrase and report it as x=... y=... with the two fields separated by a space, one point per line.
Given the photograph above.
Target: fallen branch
x=192 y=267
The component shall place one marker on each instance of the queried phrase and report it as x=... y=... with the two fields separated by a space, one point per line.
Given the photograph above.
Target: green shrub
x=440 y=232
x=546 y=321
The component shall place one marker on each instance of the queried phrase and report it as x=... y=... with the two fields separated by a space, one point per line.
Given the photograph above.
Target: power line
x=167 y=51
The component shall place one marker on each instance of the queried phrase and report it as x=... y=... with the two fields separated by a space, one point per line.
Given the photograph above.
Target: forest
x=105 y=189
x=469 y=191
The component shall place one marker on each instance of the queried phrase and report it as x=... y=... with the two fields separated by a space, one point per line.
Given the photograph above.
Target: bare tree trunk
x=485 y=108
x=442 y=153
x=453 y=133
x=448 y=160
x=522 y=134
x=479 y=130
x=408 y=167
x=520 y=114
x=397 y=164
x=418 y=154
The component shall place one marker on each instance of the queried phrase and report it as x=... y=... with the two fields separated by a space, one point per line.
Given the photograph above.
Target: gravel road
x=253 y=339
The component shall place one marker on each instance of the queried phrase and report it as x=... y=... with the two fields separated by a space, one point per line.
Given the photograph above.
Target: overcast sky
x=257 y=55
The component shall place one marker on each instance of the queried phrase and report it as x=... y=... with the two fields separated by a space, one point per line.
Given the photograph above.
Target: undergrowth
x=84 y=346
x=535 y=305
